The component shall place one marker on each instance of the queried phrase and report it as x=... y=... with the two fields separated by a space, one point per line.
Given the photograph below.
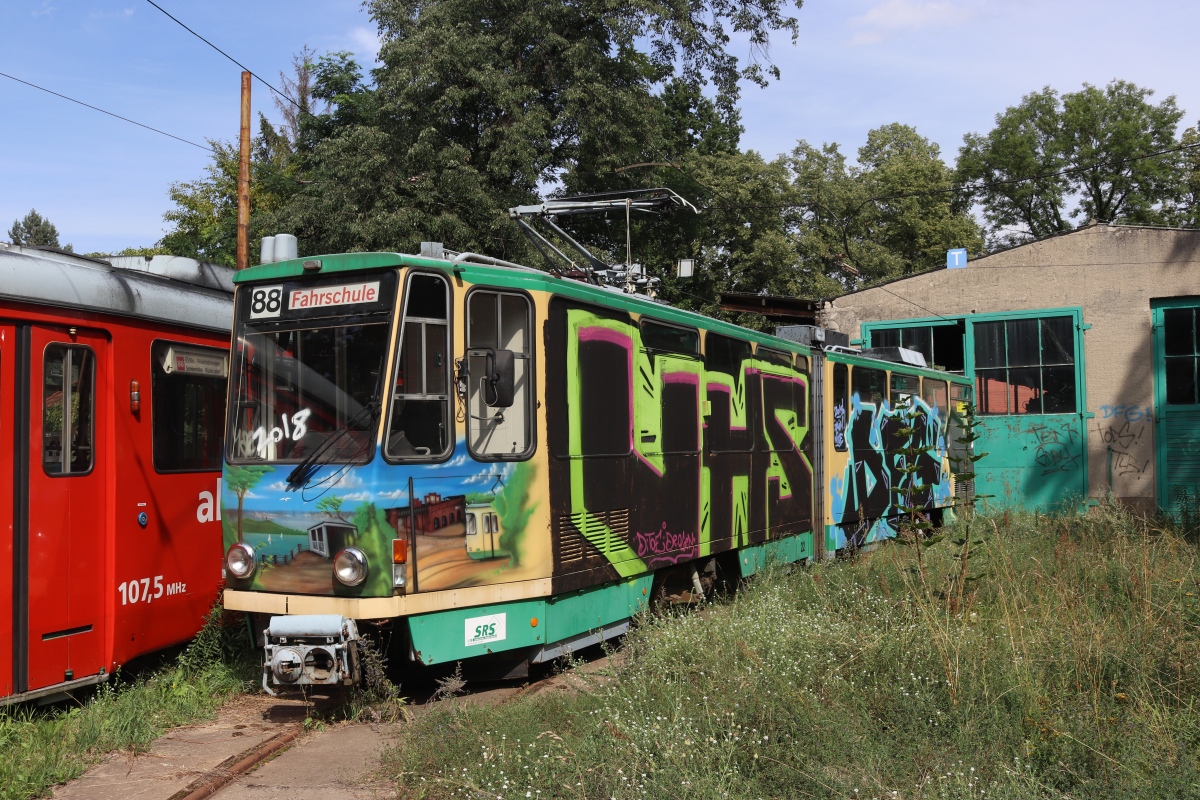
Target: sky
x=946 y=67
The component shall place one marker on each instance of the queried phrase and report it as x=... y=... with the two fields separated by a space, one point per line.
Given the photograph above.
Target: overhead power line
x=257 y=77
x=102 y=111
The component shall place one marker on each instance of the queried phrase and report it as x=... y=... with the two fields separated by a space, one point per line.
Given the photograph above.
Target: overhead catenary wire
x=109 y=113
x=256 y=76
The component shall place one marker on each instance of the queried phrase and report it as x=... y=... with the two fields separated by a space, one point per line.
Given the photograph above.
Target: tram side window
x=728 y=356
x=841 y=406
x=904 y=387
x=790 y=414
x=775 y=357
x=499 y=325
x=420 y=424
x=187 y=395
x=670 y=338
x=68 y=409
x=869 y=384
x=935 y=395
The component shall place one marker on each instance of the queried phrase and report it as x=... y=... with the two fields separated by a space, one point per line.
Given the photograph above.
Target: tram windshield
x=307 y=382
x=297 y=389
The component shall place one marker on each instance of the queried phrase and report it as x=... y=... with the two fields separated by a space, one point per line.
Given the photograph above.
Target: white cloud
x=349 y=480
x=457 y=461
x=395 y=494
x=365 y=44
x=44 y=9
x=892 y=16
x=357 y=496
x=278 y=486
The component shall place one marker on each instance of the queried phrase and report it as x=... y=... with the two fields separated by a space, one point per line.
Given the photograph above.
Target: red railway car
x=112 y=402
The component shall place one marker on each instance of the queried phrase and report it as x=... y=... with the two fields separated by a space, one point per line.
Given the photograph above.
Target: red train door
x=8 y=508
x=66 y=517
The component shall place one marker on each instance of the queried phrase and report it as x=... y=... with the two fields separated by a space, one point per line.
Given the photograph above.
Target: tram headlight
x=240 y=560
x=350 y=566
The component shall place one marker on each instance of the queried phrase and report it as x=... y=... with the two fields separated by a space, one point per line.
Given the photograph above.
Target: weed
x=1070 y=668
x=378 y=699
x=40 y=748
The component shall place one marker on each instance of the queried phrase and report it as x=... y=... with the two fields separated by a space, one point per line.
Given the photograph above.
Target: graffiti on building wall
x=1122 y=437
x=1127 y=413
x=1055 y=446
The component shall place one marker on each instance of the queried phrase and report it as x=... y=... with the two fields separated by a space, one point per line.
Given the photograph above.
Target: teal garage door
x=1176 y=401
x=1027 y=390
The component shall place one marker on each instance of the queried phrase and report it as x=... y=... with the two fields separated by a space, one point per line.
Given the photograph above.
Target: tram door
x=66 y=515
x=8 y=362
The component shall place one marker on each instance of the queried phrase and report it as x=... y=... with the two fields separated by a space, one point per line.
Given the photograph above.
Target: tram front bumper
x=310 y=649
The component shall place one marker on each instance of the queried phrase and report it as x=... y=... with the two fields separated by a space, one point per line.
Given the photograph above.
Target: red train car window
x=187 y=395
x=69 y=382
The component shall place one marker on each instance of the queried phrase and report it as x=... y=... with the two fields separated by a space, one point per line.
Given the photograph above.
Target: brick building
x=432 y=513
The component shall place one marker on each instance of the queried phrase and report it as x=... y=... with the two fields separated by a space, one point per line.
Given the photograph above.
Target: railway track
x=260 y=747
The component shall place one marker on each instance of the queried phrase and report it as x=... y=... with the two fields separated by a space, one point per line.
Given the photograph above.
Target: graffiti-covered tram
x=510 y=458
x=112 y=408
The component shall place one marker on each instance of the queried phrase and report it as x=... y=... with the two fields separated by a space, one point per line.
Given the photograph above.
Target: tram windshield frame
x=310 y=359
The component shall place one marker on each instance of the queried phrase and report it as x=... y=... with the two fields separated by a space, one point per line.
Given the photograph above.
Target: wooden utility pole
x=243 y=229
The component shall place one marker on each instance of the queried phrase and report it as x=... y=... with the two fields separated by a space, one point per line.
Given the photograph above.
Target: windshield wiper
x=300 y=477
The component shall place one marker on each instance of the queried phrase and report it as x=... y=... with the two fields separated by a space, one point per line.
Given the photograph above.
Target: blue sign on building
x=956 y=258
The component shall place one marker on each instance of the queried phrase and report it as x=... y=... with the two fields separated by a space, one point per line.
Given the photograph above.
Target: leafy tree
x=894 y=214
x=1096 y=138
x=34 y=231
x=331 y=505
x=481 y=105
x=514 y=509
x=1185 y=206
x=240 y=480
x=204 y=219
x=917 y=216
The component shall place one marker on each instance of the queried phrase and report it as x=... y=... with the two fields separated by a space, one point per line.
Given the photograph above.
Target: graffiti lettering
x=1064 y=433
x=1054 y=457
x=1054 y=447
x=839 y=426
x=716 y=451
x=1121 y=439
x=662 y=546
x=866 y=495
x=1126 y=464
x=1127 y=413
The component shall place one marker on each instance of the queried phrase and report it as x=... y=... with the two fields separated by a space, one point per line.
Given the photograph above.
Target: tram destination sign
x=307 y=299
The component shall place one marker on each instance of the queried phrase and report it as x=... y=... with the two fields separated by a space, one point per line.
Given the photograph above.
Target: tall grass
x=40 y=748
x=1068 y=668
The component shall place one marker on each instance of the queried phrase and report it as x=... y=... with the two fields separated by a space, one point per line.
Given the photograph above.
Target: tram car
x=528 y=459
x=112 y=411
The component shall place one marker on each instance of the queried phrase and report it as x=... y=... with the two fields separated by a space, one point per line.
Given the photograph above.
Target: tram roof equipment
x=169 y=289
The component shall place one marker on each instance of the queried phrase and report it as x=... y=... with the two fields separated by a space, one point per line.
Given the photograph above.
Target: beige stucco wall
x=1112 y=273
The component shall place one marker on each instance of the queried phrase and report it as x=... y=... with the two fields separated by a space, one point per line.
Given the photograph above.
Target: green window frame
x=1026 y=366
x=937 y=340
x=1181 y=356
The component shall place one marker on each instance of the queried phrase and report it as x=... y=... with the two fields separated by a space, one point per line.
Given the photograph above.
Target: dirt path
x=333 y=762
